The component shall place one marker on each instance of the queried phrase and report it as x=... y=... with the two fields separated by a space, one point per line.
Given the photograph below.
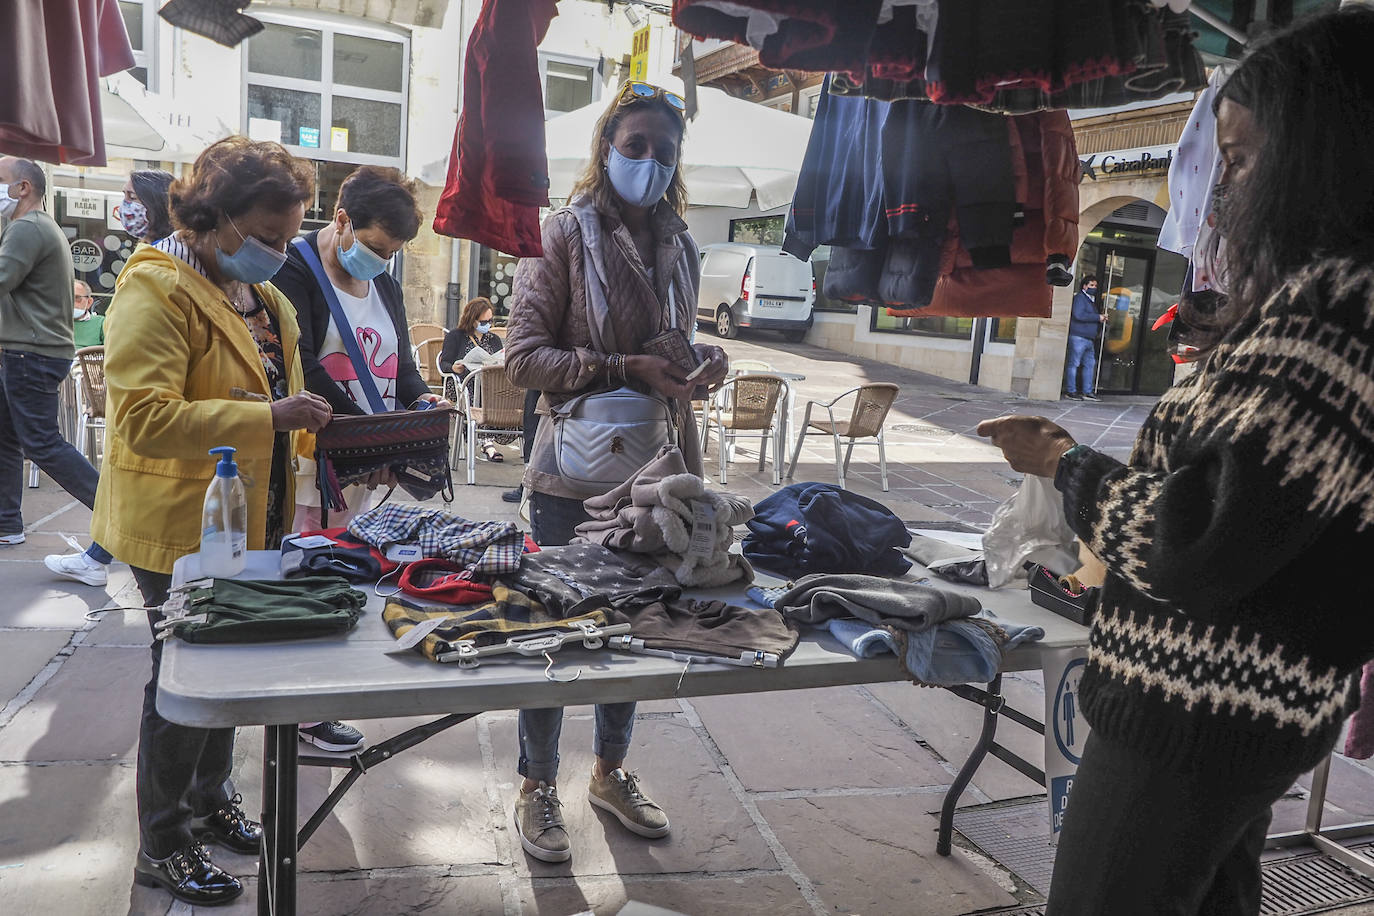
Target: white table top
x=349 y=676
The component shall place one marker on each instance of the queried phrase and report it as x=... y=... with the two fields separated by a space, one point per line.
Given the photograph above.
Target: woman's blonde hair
x=596 y=185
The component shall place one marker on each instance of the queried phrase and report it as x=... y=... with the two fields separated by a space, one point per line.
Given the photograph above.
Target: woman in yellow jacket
x=201 y=351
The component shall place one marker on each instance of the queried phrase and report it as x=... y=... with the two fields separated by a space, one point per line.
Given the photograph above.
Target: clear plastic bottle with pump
x=224 y=522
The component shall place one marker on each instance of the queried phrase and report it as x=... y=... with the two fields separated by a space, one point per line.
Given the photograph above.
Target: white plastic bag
x=1029 y=526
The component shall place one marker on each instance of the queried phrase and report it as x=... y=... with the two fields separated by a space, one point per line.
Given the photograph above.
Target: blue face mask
x=360 y=261
x=254 y=262
x=483 y=327
x=641 y=182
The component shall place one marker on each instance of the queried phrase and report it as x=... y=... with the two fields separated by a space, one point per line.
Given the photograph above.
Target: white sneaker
x=79 y=567
x=12 y=540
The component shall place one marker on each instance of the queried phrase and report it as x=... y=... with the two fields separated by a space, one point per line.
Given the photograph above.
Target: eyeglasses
x=636 y=90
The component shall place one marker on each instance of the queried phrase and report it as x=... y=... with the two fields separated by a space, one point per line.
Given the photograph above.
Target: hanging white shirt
x=375 y=333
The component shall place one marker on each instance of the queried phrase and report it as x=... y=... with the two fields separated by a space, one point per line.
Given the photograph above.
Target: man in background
x=88 y=328
x=1084 y=326
x=36 y=347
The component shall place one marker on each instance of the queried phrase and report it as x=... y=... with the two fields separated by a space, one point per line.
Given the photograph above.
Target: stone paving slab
x=877 y=856
x=89 y=710
x=694 y=895
x=832 y=737
x=24 y=653
x=68 y=837
x=711 y=831
x=950 y=725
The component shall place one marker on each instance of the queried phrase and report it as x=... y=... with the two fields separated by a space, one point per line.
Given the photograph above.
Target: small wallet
x=674 y=346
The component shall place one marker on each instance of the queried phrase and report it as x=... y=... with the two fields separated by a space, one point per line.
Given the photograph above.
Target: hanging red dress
x=498 y=172
x=51 y=70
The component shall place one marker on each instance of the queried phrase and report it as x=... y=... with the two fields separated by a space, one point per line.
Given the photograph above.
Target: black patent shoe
x=188 y=875
x=229 y=827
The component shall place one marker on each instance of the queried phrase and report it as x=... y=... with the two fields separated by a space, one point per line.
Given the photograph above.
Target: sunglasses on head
x=634 y=90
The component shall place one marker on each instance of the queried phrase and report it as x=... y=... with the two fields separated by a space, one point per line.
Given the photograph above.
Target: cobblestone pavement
x=806 y=802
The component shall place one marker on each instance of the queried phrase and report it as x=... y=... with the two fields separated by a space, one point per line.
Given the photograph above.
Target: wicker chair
x=738 y=367
x=427 y=362
x=489 y=405
x=748 y=404
x=91 y=421
x=424 y=331
x=871 y=405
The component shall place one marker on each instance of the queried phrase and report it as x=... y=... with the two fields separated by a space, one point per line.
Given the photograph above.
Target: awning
x=734 y=150
x=175 y=134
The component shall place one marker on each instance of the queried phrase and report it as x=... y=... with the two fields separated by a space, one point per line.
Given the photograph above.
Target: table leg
x=992 y=707
x=277 y=861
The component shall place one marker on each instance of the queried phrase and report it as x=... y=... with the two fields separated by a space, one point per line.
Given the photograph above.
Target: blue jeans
x=28 y=426
x=552 y=523
x=1081 y=355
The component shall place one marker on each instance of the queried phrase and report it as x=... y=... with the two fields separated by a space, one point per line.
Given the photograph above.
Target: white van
x=755 y=286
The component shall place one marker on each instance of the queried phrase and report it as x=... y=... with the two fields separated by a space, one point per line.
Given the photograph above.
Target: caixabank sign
x=1148 y=161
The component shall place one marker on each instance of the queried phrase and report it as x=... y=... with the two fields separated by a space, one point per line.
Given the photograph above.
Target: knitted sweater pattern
x=1236 y=616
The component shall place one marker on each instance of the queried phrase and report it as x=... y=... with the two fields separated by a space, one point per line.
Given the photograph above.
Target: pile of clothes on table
x=485 y=583
x=465 y=585
x=848 y=557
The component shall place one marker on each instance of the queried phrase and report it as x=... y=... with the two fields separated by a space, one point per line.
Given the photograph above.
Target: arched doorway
x=1138 y=283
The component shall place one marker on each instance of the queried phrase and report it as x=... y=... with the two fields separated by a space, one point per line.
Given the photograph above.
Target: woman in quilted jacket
x=626 y=213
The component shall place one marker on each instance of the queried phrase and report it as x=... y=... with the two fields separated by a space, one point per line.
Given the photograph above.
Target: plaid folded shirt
x=489 y=548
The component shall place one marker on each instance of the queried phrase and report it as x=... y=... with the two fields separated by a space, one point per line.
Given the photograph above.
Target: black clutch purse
x=413 y=444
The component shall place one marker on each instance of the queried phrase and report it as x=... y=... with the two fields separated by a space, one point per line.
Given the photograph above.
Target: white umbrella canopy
x=734 y=149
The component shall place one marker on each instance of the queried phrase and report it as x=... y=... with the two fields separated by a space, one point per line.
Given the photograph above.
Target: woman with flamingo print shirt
x=375 y=216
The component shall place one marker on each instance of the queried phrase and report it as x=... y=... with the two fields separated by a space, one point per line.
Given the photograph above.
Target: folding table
x=277 y=685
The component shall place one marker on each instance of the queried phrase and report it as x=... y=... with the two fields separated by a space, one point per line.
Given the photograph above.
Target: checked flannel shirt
x=489 y=548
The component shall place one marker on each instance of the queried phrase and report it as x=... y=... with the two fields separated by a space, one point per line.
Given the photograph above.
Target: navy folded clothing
x=821 y=528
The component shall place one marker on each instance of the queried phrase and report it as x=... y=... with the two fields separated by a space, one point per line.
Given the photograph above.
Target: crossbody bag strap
x=355 y=355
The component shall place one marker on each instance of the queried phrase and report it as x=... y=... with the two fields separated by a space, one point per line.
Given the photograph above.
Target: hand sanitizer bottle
x=224 y=523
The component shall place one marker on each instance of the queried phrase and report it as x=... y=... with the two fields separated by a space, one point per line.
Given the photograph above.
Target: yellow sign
x=338 y=139
x=639 y=54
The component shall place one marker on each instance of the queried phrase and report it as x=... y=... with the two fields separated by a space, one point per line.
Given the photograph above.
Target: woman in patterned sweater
x=1234 y=619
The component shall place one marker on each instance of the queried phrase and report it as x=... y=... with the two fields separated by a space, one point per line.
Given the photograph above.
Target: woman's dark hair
x=373 y=195
x=235 y=175
x=1309 y=191
x=475 y=307
x=150 y=187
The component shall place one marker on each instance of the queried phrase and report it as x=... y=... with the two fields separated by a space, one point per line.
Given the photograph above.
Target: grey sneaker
x=540 y=824
x=619 y=794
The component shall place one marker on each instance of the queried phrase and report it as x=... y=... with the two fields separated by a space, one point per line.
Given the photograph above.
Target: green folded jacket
x=232 y=610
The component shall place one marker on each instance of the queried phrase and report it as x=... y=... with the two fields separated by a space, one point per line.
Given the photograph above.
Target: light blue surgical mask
x=641 y=182
x=254 y=262
x=483 y=327
x=360 y=261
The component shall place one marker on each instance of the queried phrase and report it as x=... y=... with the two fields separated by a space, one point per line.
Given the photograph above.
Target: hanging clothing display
x=498 y=172
x=1196 y=169
x=840 y=187
x=51 y=69
x=971 y=214
x=1013 y=56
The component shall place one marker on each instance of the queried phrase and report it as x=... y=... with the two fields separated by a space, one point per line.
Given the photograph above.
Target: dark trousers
x=553 y=520
x=1141 y=839
x=28 y=426
x=531 y=422
x=182 y=772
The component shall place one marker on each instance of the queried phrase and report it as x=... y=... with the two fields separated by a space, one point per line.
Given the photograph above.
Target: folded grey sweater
x=895 y=603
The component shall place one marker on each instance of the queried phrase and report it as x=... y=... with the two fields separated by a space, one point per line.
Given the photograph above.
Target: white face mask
x=7 y=203
x=78 y=313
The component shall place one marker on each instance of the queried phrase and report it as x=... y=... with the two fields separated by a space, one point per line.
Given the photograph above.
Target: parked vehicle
x=755 y=286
